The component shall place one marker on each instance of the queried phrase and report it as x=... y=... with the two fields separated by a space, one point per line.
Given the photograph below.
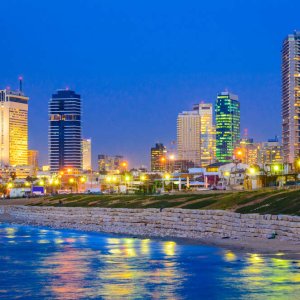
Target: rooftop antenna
x=21 y=83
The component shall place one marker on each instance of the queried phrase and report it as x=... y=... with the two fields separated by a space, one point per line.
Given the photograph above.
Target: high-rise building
x=227 y=126
x=207 y=133
x=65 y=149
x=158 y=158
x=33 y=159
x=188 y=136
x=290 y=108
x=13 y=128
x=86 y=154
x=111 y=163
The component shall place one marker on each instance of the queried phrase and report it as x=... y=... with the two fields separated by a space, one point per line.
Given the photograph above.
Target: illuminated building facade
x=207 y=133
x=270 y=152
x=290 y=108
x=111 y=164
x=188 y=136
x=33 y=159
x=86 y=154
x=13 y=128
x=65 y=149
x=227 y=126
x=158 y=158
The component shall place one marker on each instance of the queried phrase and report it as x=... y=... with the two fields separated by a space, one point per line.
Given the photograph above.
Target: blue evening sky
x=137 y=63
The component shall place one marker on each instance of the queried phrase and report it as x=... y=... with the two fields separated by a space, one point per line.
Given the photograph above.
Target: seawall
x=170 y=222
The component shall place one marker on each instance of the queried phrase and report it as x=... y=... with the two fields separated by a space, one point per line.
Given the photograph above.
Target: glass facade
x=65 y=137
x=227 y=126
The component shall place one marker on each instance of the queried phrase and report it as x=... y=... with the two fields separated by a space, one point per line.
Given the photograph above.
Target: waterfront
x=37 y=262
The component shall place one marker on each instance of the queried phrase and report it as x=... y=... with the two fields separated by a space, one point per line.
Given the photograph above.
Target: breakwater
x=169 y=222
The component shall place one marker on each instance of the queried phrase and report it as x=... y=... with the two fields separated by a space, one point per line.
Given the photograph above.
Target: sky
x=138 y=63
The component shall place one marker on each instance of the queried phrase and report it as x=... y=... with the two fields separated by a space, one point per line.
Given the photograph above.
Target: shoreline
x=267 y=247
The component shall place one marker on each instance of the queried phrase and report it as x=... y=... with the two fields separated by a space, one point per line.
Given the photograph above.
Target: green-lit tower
x=227 y=126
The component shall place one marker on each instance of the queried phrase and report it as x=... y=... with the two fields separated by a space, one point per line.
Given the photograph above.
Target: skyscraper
x=290 y=108
x=86 y=154
x=207 y=133
x=65 y=131
x=188 y=136
x=158 y=158
x=227 y=126
x=13 y=127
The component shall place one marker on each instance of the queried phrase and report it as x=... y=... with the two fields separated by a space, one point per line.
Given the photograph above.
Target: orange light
x=124 y=164
x=163 y=159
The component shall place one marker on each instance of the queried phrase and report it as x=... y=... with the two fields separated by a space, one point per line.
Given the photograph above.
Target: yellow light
x=108 y=179
x=69 y=170
x=276 y=168
x=127 y=178
x=56 y=181
x=9 y=185
x=167 y=176
x=298 y=162
x=71 y=180
x=227 y=173
x=50 y=181
x=114 y=178
x=143 y=178
x=27 y=183
x=124 y=164
x=82 y=179
x=239 y=152
x=172 y=157
x=61 y=172
x=252 y=171
x=41 y=182
x=163 y=159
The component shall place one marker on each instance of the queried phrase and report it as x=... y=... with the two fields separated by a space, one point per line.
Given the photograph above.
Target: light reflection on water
x=41 y=263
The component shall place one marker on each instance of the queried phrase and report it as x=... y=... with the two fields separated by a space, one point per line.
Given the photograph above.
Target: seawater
x=42 y=263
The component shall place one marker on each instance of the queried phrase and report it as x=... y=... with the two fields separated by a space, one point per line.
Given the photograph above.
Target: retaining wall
x=170 y=222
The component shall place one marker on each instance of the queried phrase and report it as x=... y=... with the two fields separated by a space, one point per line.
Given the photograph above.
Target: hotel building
x=188 y=136
x=13 y=128
x=65 y=149
x=227 y=126
x=290 y=108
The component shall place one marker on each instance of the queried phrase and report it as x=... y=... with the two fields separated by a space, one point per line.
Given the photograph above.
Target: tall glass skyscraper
x=290 y=108
x=65 y=149
x=227 y=126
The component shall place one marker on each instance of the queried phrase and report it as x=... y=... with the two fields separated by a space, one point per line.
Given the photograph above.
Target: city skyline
x=126 y=88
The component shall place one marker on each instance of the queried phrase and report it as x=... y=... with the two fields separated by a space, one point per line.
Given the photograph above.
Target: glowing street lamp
x=227 y=173
x=10 y=185
x=252 y=171
x=172 y=157
x=127 y=178
x=82 y=180
x=143 y=177
x=41 y=182
x=71 y=180
x=167 y=176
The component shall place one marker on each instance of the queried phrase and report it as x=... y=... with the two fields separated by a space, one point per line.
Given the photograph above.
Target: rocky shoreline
x=267 y=234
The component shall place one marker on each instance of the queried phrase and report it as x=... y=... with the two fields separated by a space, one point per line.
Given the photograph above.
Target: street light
x=252 y=171
x=71 y=180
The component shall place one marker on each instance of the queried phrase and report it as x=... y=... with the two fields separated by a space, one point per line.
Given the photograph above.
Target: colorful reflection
x=66 y=264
